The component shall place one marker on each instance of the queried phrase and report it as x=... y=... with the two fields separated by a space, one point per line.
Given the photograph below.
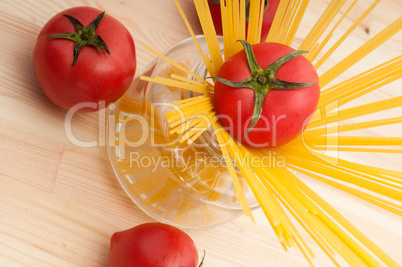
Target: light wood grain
x=60 y=203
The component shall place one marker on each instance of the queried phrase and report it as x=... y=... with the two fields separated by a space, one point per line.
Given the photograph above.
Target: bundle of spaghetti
x=359 y=140
x=352 y=126
x=363 y=83
x=360 y=52
x=368 y=197
x=192 y=81
x=321 y=25
x=227 y=14
x=283 y=29
x=233 y=17
x=275 y=214
x=310 y=210
x=317 y=49
x=210 y=35
x=239 y=29
x=328 y=235
x=277 y=22
x=356 y=149
x=177 y=115
x=196 y=127
x=297 y=16
x=175 y=64
x=357 y=111
x=290 y=23
x=328 y=215
x=346 y=34
x=381 y=181
x=191 y=117
x=235 y=179
x=204 y=58
x=203 y=89
x=278 y=188
x=255 y=21
x=356 y=143
x=298 y=147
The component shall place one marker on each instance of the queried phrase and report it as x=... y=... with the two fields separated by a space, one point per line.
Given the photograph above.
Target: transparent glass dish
x=187 y=186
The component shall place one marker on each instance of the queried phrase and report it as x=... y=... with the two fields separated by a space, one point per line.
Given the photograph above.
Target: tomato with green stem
x=84 y=57
x=266 y=94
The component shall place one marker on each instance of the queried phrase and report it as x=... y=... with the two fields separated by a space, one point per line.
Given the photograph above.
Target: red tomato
x=267 y=20
x=95 y=76
x=152 y=245
x=285 y=112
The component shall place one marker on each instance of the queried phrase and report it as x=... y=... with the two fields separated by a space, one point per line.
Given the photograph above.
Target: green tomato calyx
x=84 y=36
x=263 y=80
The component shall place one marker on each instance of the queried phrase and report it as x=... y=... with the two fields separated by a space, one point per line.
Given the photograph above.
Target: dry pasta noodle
x=345 y=35
x=314 y=52
x=277 y=189
x=321 y=25
x=361 y=52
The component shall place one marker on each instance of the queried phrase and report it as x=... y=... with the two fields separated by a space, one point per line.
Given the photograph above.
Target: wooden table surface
x=60 y=203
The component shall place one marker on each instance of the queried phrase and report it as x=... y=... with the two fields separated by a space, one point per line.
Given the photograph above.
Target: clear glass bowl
x=184 y=185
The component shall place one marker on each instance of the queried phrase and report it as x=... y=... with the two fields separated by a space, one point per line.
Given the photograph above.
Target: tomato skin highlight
x=96 y=77
x=267 y=20
x=285 y=112
x=152 y=245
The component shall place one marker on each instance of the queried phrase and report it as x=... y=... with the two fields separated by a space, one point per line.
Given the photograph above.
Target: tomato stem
x=202 y=260
x=263 y=80
x=83 y=36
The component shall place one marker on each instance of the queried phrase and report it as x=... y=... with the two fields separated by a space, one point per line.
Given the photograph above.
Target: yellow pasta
x=277 y=22
x=182 y=85
x=361 y=52
x=346 y=34
x=253 y=36
x=314 y=52
x=321 y=25
x=204 y=58
x=354 y=112
x=180 y=67
x=363 y=83
x=278 y=191
x=347 y=225
x=235 y=179
x=210 y=34
x=353 y=126
x=298 y=14
x=387 y=205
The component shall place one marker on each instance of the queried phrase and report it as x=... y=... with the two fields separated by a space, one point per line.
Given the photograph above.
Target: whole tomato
x=266 y=94
x=84 y=56
x=152 y=245
x=269 y=14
